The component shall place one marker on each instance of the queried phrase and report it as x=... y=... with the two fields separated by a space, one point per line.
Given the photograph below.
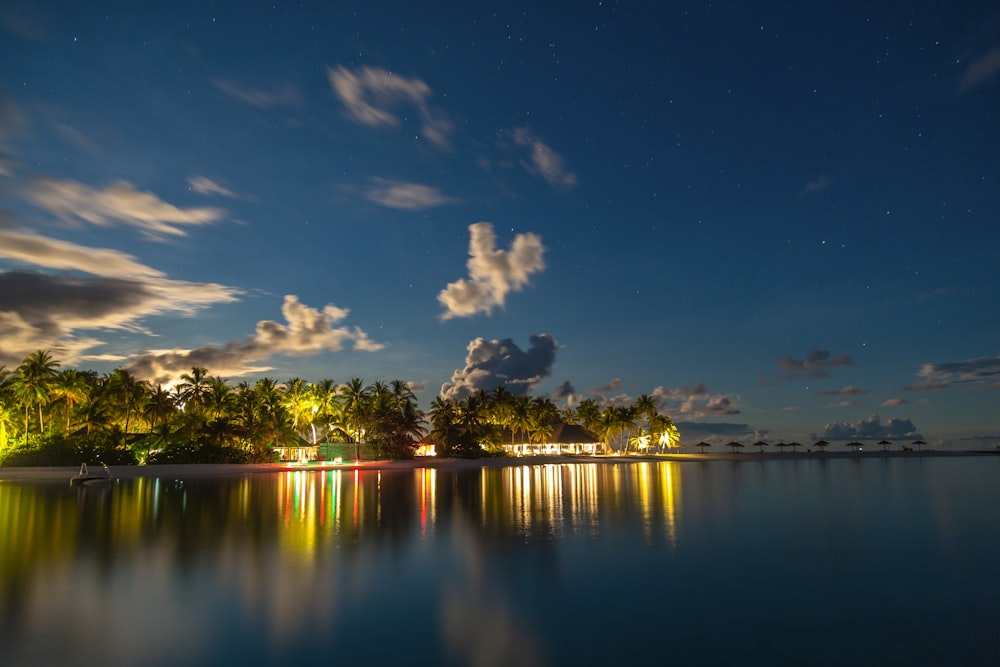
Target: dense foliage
x=50 y=416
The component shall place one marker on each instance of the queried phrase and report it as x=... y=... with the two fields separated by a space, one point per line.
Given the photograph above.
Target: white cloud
x=306 y=331
x=406 y=196
x=370 y=93
x=492 y=273
x=206 y=186
x=544 y=161
x=118 y=203
x=49 y=253
x=695 y=402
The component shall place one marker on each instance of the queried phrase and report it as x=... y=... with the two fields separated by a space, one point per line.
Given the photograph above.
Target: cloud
x=95 y=289
x=980 y=71
x=566 y=391
x=817 y=185
x=849 y=390
x=894 y=402
x=844 y=404
x=968 y=372
x=307 y=331
x=611 y=387
x=370 y=93
x=817 y=364
x=406 y=196
x=41 y=311
x=872 y=428
x=417 y=386
x=42 y=251
x=493 y=363
x=285 y=94
x=206 y=186
x=694 y=402
x=544 y=161
x=119 y=203
x=492 y=273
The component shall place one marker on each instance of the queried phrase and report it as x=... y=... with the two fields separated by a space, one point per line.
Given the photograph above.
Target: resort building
x=565 y=439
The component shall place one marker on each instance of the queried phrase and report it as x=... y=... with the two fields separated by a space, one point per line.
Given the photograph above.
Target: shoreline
x=201 y=470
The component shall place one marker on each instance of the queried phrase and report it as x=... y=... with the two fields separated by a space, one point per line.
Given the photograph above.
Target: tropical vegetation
x=55 y=416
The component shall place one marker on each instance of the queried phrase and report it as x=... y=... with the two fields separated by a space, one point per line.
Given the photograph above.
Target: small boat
x=89 y=478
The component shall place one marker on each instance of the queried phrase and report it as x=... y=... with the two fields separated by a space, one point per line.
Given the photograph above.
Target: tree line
x=55 y=416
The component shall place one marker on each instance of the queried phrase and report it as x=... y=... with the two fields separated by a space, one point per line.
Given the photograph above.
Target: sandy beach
x=189 y=471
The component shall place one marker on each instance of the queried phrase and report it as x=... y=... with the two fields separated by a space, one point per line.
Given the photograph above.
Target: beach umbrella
x=793 y=445
x=703 y=445
x=760 y=445
x=856 y=445
x=919 y=444
x=781 y=446
x=734 y=445
x=885 y=443
x=821 y=444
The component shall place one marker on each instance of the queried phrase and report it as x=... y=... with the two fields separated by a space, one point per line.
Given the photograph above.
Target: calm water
x=874 y=561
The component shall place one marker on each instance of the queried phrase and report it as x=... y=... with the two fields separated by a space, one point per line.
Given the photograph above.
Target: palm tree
x=128 y=394
x=193 y=388
x=590 y=415
x=663 y=431
x=328 y=410
x=71 y=388
x=218 y=398
x=520 y=416
x=32 y=382
x=356 y=398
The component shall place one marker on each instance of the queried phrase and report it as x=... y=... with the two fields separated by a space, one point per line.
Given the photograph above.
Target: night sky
x=778 y=218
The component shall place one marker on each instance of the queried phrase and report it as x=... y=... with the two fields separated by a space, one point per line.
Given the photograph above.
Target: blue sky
x=781 y=221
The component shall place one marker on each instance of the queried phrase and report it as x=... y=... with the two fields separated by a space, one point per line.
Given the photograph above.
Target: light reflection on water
x=812 y=561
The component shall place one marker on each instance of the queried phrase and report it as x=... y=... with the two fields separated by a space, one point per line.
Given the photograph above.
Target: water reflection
x=486 y=566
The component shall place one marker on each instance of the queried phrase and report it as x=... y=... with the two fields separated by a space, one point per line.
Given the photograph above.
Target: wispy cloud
x=283 y=94
x=894 y=402
x=974 y=372
x=118 y=203
x=371 y=94
x=493 y=363
x=406 y=196
x=980 y=71
x=306 y=331
x=45 y=252
x=543 y=160
x=206 y=186
x=817 y=364
x=849 y=390
x=96 y=289
x=492 y=273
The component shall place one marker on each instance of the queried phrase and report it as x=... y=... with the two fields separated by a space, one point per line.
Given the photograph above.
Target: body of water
x=805 y=562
